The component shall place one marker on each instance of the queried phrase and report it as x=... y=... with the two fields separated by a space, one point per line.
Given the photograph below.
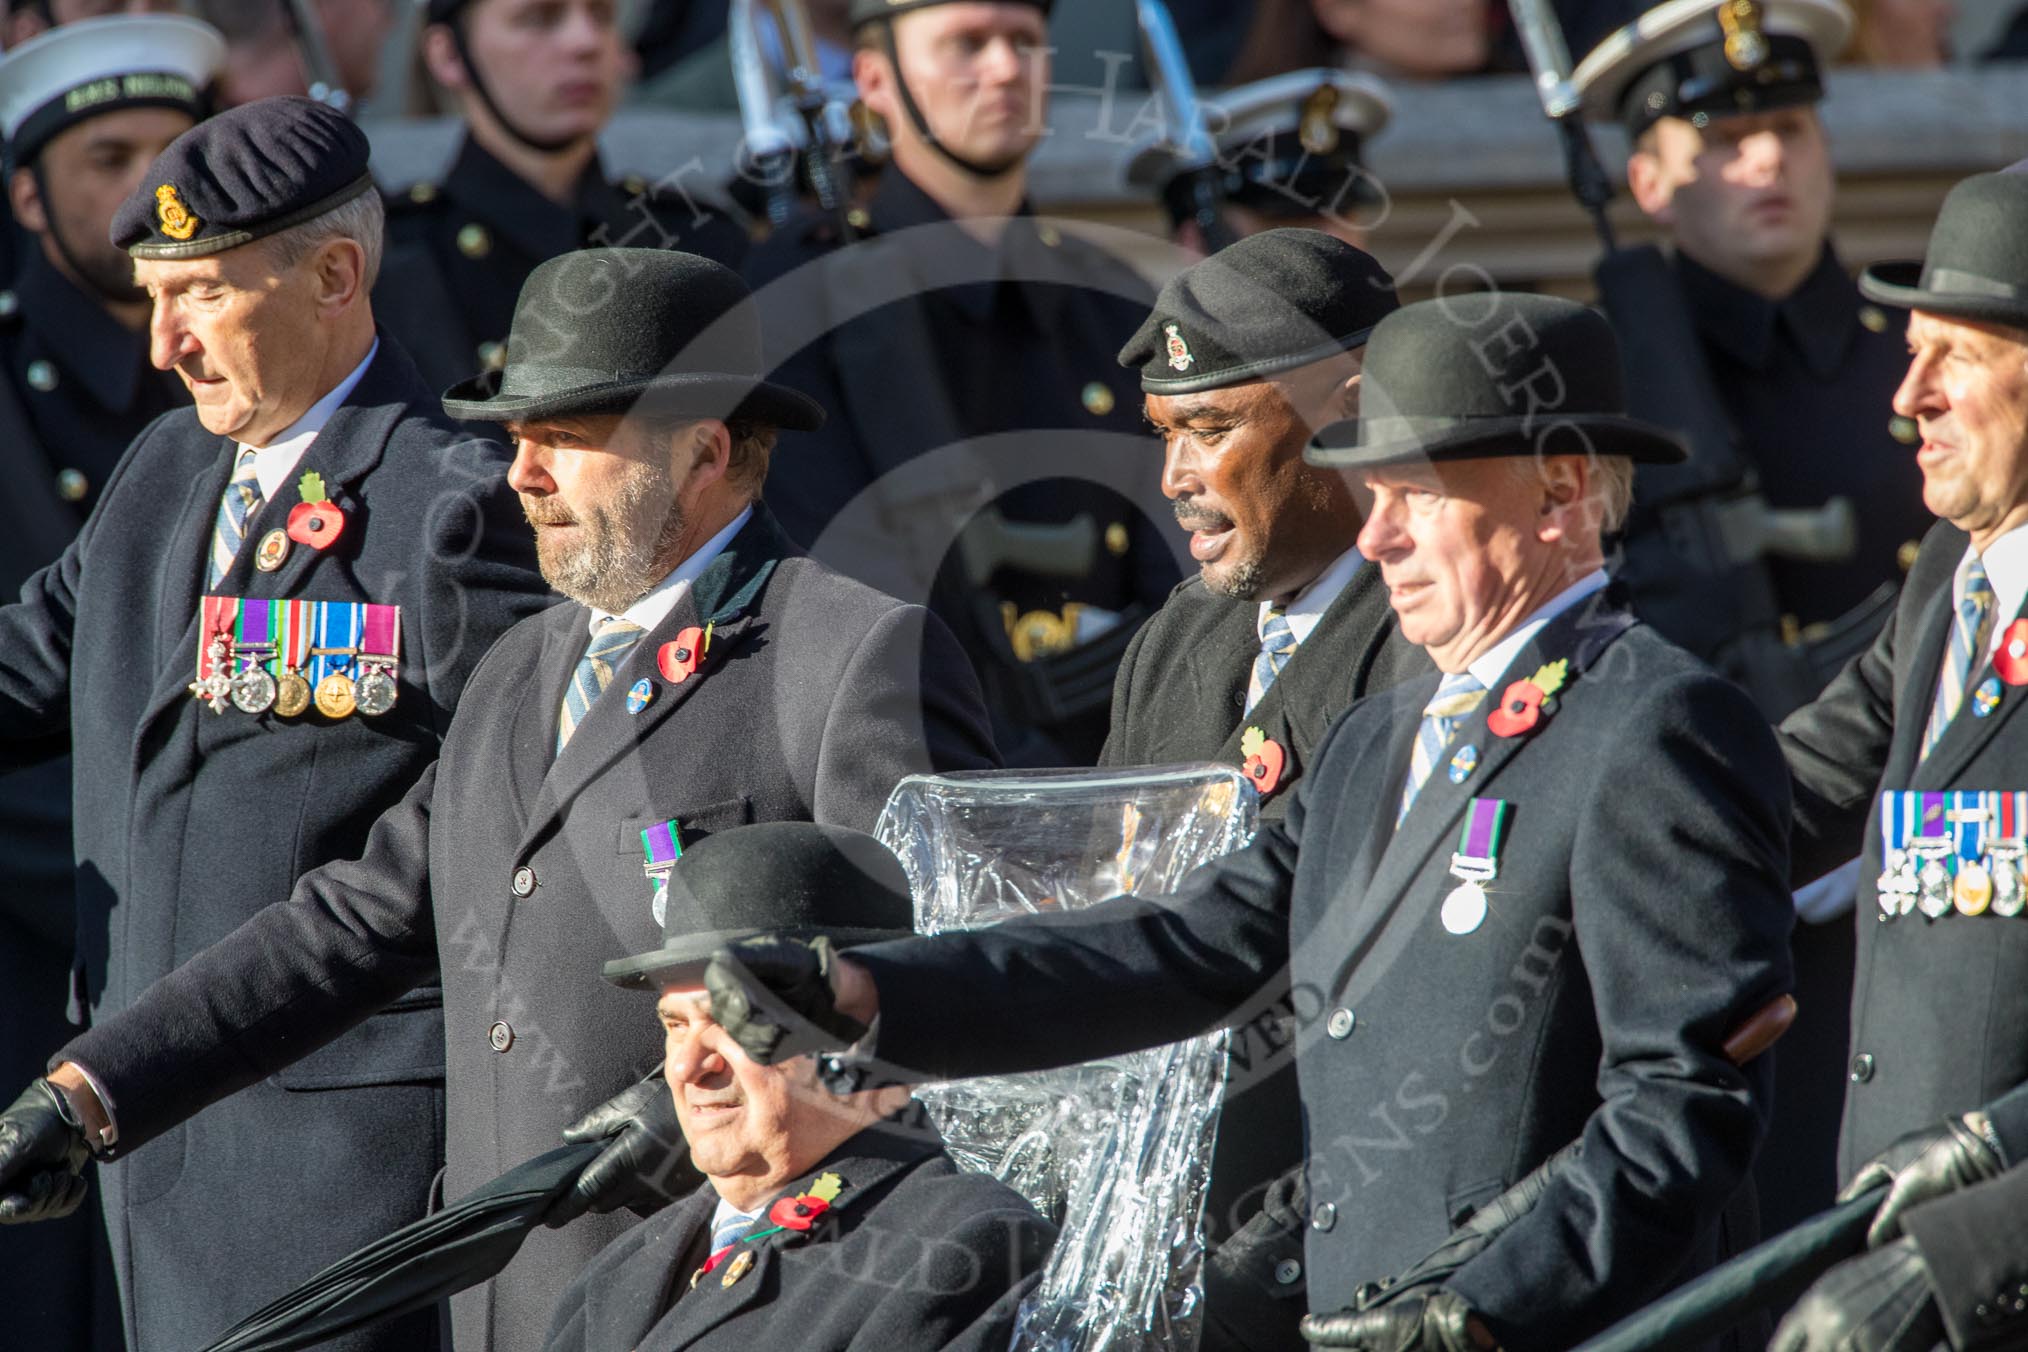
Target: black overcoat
x=186 y=820
x=1641 y=913
x=523 y=871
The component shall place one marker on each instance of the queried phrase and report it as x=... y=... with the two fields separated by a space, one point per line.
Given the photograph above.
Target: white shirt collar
x=652 y=609
x=1492 y=664
x=1311 y=602
x=276 y=461
x=2006 y=561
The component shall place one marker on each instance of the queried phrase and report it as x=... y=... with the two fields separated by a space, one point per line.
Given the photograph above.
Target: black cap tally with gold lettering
x=249 y=172
x=85 y=69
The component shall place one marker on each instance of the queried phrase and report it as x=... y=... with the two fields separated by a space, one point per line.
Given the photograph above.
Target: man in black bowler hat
x=84 y=111
x=823 y=1223
x=1932 y=709
x=1542 y=898
x=314 y=520
x=535 y=81
x=1284 y=625
x=981 y=450
x=702 y=675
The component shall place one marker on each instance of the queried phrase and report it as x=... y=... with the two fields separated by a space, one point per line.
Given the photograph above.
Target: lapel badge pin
x=274 y=550
x=1265 y=760
x=741 y=1264
x=1462 y=764
x=1986 y=698
x=641 y=695
x=316 y=521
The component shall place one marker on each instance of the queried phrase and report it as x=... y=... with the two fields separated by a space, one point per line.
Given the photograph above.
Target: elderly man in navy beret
x=252 y=648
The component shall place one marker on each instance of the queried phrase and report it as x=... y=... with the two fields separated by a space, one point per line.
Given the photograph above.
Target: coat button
x=1862 y=1067
x=41 y=376
x=524 y=881
x=71 y=485
x=1288 y=1272
x=1340 y=1026
x=501 y=1036
x=1324 y=1216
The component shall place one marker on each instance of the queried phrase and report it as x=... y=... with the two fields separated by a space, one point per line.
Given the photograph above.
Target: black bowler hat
x=1493 y=374
x=1977 y=263
x=866 y=11
x=633 y=330
x=250 y=172
x=797 y=880
x=1270 y=303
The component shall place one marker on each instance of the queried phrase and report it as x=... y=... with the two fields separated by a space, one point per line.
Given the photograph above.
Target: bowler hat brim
x=1364 y=442
x=682 y=961
x=702 y=395
x=1901 y=283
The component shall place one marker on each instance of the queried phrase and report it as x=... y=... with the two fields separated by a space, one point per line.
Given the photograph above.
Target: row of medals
x=1920 y=878
x=251 y=690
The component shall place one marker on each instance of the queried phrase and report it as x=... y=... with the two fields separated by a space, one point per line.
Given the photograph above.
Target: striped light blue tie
x=730 y=1230
x=242 y=498
x=1971 y=627
x=1455 y=697
x=1277 y=645
x=609 y=648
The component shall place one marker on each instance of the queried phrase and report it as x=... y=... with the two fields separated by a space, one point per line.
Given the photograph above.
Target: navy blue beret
x=249 y=172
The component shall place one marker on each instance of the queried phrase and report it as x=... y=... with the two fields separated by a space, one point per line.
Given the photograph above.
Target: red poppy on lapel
x=1265 y=760
x=797 y=1213
x=2010 y=659
x=316 y=521
x=679 y=660
x=1520 y=706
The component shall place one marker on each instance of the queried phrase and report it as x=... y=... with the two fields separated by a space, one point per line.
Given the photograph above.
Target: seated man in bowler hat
x=823 y=1223
x=703 y=675
x=1543 y=895
x=1938 y=1093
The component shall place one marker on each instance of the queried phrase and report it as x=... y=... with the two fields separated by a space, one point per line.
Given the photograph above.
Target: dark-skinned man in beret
x=982 y=451
x=823 y=1224
x=252 y=648
x=1538 y=897
x=1283 y=627
x=84 y=111
x=702 y=674
x=1912 y=759
x=534 y=81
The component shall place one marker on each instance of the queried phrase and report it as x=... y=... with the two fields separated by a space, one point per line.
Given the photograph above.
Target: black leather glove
x=1878 y=1302
x=1924 y=1164
x=1436 y=1320
x=42 y=1157
x=774 y=997
x=646 y=1166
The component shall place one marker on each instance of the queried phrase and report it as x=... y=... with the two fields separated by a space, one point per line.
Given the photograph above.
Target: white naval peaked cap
x=59 y=78
x=1694 y=29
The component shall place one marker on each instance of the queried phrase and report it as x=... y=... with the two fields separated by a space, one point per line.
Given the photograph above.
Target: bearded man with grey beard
x=703 y=675
x=1248 y=662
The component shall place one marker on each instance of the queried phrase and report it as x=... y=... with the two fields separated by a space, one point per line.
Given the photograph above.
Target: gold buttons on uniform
x=1116 y=538
x=41 y=376
x=859 y=219
x=1904 y=430
x=633 y=185
x=10 y=304
x=492 y=356
x=71 y=485
x=1905 y=556
x=1099 y=399
x=475 y=241
x=1050 y=236
x=422 y=194
x=1873 y=318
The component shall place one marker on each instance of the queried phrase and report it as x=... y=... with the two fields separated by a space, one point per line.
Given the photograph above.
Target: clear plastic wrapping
x=1117 y=1151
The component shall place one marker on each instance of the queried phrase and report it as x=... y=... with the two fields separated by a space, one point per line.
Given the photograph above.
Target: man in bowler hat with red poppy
x=823 y=1223
x=703 y=675
x=1542 y=896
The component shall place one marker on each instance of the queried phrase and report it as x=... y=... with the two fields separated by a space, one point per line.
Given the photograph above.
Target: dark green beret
x=867 y=11
x=1270 y=303
x=250 y=172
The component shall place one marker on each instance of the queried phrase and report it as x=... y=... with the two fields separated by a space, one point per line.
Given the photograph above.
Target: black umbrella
x=418 y=1265
x=1774 y=1273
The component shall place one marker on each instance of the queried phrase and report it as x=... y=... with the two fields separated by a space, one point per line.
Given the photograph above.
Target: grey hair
x=363 y=220
x=1612 y=486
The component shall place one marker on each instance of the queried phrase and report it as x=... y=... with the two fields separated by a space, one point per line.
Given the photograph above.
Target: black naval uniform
x=1628 y=934
x=917 y=338
x=458 y=251
x=78 y=389
x=913 y=1254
